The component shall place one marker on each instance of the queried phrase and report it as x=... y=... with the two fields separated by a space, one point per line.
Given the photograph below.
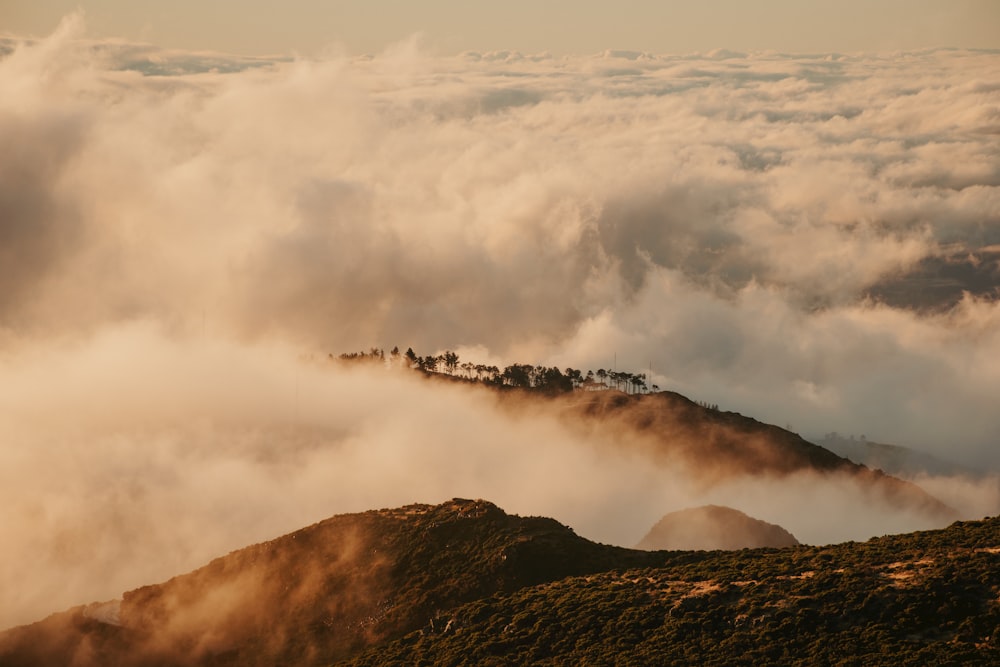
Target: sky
x=254 y=27
x=810 y=239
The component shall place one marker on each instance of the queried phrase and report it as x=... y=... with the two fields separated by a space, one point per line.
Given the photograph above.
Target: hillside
x=715 y=446
x=712 y=527
x=320 y=593
x=465 y=583
x=709 y=445
x=358 y=582
x=916 y=599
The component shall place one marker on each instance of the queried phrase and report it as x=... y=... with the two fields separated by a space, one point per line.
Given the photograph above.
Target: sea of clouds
x=809 y=240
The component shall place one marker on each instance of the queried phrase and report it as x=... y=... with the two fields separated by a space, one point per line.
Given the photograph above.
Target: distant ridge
x=717 y=444
x=893 y=459
x=712 y=527
x=721 y=445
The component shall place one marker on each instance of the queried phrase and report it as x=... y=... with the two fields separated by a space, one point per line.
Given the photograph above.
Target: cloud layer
x=150 y=456
x=757 y=228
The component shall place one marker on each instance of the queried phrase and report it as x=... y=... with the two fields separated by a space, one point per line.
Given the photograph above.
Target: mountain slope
x=716 y=446
x=357 y=581
x=916 y=599
x=465 y=583
x=709 y=445
x=713 y=527
x=323 y=592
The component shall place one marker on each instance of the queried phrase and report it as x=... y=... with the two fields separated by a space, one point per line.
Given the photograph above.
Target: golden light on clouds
x=810 y=240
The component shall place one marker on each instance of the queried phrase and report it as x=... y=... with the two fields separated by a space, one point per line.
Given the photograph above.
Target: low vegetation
x=917 y=599
x=463 y=583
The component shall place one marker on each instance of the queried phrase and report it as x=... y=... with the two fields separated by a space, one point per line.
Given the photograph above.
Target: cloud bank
x=150 y=456
x=765 y=231
x=724 y=218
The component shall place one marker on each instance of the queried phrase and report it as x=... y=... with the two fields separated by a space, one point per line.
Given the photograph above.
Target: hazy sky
x=558 y=26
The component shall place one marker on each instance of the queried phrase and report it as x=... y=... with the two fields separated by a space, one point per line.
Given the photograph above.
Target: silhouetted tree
x=518 y=375
x=550 y=380
x=526 y=376
x=450 y=360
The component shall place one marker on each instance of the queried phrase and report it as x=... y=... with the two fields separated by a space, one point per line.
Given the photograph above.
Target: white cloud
x=483 y=201
x=720 y=218
x=151 y=455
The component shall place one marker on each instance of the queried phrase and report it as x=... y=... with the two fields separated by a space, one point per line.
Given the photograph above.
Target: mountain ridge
x=896 y=460
x=718 y=445
x=338 y=585
x=464 y=582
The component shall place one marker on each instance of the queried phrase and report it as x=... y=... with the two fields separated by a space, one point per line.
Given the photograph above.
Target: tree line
x=525 y=376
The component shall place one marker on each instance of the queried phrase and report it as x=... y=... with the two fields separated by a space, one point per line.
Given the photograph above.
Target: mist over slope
x=465 y=581
x=893 y=459
x=323 y=592
x=972 y=491
x=180 y=233
x=713 y=449
x=166 y=454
